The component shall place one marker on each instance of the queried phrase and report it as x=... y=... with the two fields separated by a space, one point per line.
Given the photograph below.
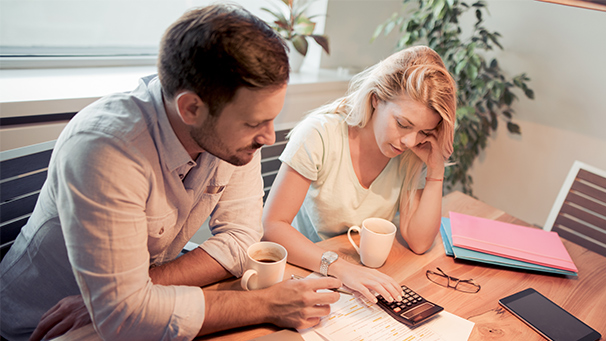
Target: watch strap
x=328 y=258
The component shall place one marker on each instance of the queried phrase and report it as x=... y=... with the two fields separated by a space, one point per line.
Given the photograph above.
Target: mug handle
x=247 y=275
x=354 y=228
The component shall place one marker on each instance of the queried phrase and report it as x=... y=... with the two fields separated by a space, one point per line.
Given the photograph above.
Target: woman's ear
x=374 y=100
x=190 y=108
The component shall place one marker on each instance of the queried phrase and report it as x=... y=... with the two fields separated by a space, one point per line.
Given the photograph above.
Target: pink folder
x=510 y=241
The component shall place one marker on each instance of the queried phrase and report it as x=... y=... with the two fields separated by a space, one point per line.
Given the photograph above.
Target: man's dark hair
x=215 y=50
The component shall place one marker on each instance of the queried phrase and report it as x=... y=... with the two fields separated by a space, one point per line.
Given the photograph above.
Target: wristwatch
x=328 y=258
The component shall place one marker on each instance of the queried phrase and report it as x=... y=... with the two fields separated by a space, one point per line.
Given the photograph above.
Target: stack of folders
x=494 y=242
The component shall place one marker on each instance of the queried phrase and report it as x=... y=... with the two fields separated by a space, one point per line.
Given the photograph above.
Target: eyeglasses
x=462 y=285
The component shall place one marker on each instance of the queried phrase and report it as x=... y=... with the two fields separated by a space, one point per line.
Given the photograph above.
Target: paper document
x=354 y=319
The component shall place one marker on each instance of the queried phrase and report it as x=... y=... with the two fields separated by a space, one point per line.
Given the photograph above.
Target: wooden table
x=583 y=296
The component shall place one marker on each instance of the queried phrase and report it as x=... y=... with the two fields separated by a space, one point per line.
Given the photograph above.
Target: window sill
x=27 y=92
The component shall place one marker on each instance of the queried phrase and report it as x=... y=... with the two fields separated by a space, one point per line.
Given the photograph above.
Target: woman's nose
x=410 y=140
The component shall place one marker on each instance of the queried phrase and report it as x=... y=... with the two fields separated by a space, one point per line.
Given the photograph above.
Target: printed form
x=355 y=319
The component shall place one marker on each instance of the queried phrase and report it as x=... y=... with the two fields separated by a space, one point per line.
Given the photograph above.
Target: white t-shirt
x=318 y=149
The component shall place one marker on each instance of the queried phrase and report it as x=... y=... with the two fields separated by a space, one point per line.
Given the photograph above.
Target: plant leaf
x=300 y=44
x=513 y=128
x=460 y=66
x=472 y=71
x=377 y=32
x=438 y=7
x=279 y=16
x=303 y=26
x=322 y=41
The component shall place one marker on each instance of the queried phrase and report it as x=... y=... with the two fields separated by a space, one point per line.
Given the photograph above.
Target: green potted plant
x=291 y=22
x=484 y=93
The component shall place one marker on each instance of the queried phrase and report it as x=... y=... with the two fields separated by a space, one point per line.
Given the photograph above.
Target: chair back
x=270 y=164
x=22 y=174
x=579 y=212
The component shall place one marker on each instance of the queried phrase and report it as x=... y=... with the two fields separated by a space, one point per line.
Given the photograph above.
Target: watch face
x=330 y=256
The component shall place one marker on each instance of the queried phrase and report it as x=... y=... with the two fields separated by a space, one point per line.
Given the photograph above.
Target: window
x=67 y=33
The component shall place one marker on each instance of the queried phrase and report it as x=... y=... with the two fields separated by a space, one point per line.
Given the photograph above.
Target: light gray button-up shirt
x=122 y=193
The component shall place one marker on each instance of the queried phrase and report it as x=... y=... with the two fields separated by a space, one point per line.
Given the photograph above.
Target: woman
x=378 y=150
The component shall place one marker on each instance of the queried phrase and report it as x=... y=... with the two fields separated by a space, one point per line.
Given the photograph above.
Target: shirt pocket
x=161 y=230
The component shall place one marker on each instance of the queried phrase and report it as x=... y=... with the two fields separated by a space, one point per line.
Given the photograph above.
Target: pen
x=337 y=289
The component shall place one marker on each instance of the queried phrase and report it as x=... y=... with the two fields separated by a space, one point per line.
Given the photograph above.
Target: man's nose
x=268 y=136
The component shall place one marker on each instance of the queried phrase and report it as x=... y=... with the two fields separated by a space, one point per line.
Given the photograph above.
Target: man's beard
x=207 y=139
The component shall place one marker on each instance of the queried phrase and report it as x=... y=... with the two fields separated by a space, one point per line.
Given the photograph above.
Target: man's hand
x=69 y=314
x=297 y=304
x=288 y=304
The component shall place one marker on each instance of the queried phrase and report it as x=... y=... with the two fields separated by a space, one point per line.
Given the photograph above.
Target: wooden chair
x=22 y=174
x=270 y=164
x=579 y=212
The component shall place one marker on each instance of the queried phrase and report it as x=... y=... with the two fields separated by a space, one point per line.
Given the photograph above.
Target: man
x=134 y=175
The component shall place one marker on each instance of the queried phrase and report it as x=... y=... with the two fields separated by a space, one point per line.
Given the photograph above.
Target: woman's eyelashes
x=407 y=125
x=403 y=126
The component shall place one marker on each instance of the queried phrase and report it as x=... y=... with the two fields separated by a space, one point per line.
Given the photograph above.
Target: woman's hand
x=431 y=154
x=363 y=279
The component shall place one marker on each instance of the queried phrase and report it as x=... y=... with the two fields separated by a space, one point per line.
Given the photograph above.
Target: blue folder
x=461 y=253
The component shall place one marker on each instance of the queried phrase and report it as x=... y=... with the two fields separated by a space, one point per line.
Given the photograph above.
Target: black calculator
x=412 y=310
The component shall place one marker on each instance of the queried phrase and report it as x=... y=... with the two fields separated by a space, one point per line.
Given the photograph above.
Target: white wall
x=561 y=48
x=350 y=25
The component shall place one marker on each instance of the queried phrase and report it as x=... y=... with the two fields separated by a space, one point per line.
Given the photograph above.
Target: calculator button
x=413 y=309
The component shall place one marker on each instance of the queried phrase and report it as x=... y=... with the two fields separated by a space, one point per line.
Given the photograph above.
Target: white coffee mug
x=265 y=265
x=376 y=239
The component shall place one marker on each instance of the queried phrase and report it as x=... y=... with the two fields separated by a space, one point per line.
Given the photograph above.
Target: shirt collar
x=170 y=148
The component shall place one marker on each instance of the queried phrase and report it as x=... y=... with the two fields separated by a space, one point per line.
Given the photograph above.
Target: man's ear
x=190 y=108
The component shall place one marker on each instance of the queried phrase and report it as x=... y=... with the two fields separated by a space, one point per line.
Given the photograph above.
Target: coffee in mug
x=265 y=265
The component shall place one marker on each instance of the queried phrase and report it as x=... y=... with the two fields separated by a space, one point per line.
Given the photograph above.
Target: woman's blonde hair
x=418 y=71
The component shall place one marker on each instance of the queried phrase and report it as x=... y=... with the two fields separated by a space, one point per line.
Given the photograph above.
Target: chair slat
x=592 y=178
x=588 y=190
x=268 y=180
x=17 y=208
x=272 y=151
x=25 y=164
x=580 y=228
x=580 y=241
x=281 y=135
x=21 y=186
x=9 y=231
x=270 y=166
x=265 y=195
x=3 y=250
x=591 y=205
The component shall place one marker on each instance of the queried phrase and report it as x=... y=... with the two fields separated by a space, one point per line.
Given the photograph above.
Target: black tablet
x=547 y=318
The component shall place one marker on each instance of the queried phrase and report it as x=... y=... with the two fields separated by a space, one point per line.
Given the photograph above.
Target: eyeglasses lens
x=438 y=279
x=466 y=286
x=461 y=285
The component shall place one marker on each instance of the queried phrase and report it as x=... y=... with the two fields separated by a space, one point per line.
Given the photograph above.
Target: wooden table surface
x=583 y=296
